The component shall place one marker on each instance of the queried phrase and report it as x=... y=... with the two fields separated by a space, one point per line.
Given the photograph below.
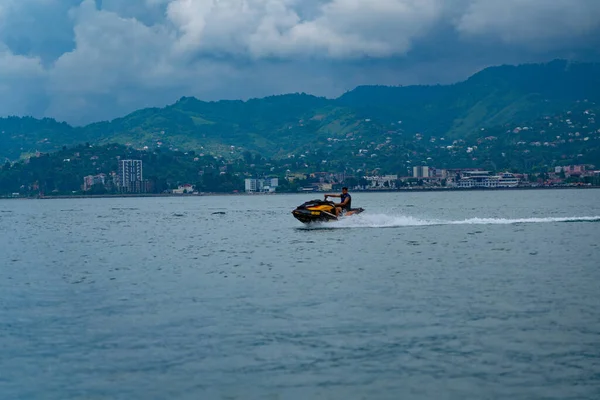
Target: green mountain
x=332 y=129
x=492 y=97
x=22 y=136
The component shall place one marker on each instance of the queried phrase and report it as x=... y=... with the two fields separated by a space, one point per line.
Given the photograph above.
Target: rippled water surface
x=469 y=295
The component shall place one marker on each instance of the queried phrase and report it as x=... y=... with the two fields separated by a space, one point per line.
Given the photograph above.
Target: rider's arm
x=333 y=195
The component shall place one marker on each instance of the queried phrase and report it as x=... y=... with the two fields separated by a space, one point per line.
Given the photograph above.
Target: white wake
x=388 y=221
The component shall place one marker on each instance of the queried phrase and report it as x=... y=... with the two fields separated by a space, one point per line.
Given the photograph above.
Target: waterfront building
x=422 y=172
x=261 y=185
x=483 y=179
x=91 y=180
x=130 y=177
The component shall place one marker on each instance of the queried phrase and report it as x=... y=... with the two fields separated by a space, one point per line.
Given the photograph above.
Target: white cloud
x=531 y=22
x=367 y=28
x=110 y=49
x=273 y=28
x=224 y=26
x=20 y=80
x=119 y=59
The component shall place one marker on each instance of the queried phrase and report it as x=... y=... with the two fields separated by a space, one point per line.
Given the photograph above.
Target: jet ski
x=320 y=211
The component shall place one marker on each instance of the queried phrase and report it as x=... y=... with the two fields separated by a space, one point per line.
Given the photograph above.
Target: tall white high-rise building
x=130 y=175
x=251 y=185
x=422 y=172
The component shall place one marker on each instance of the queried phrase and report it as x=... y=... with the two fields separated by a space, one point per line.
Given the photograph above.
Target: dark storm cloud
x=88 y=60
x=35 y=27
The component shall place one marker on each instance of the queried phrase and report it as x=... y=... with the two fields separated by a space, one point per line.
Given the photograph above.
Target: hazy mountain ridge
x=280 y=125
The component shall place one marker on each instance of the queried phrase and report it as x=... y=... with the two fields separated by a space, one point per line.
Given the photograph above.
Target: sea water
x=460 y=295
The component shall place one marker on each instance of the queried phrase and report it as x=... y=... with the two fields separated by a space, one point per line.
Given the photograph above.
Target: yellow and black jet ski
x=320 y=211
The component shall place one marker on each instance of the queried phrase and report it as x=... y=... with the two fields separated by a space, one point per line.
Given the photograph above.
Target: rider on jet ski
x=345 y=204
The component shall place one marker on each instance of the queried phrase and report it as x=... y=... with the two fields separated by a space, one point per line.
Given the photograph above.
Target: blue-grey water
x=463 y=295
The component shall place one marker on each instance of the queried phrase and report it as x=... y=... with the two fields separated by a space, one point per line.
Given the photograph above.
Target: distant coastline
x=433 y=189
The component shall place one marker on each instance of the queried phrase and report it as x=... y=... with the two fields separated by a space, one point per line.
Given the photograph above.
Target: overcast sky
x=87 y=60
